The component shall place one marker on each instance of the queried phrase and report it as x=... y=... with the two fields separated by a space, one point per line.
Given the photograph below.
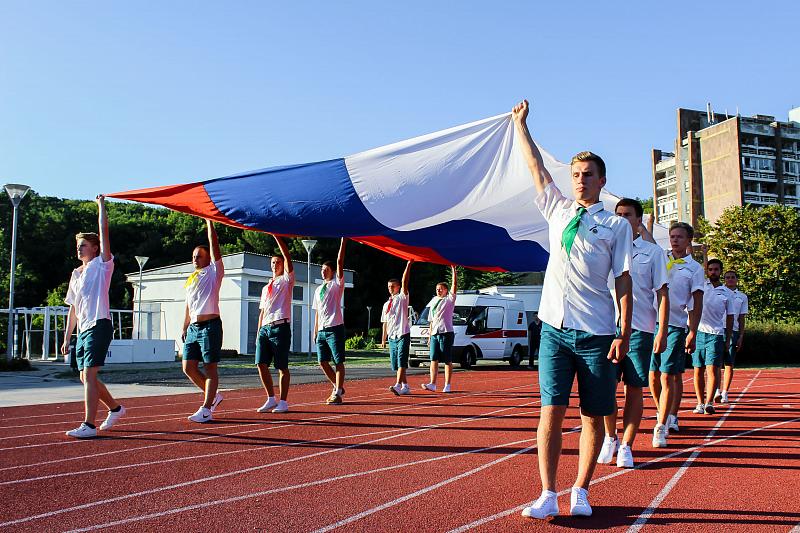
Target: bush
x=356 y=342
x=769 y=343
x=14 y=365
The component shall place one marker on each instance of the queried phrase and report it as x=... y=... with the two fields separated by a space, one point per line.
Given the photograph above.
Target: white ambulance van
x=486 y=326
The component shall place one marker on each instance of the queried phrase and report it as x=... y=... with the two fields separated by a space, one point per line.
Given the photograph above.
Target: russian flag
x=458 y=196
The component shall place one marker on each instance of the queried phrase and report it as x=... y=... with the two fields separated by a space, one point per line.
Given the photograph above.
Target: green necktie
x=436 y=305
x=568 y=237
x=322 y=290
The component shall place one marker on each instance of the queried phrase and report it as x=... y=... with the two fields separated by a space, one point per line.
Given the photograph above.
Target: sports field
x=425 y=462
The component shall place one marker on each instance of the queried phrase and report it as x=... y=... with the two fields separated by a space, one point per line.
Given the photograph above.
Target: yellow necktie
x=673 y=262
x=192 y=279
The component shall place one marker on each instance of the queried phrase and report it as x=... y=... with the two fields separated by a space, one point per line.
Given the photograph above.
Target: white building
x=163 y=295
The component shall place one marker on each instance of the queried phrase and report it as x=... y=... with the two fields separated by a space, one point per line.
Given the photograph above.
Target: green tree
x=761 y=246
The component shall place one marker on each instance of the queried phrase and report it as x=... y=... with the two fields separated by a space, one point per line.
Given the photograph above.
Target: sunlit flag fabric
x=462 y=195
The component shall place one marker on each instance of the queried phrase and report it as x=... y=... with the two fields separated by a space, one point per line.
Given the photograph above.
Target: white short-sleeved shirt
x=441 y=314
x=717 y=305
x=202 y=292
x=395 y=314
x=276 y=298
x=329 y=306
x=648 y=273
x=575 y=293
x=88 y=292
x=684 y=279
x=740 y=304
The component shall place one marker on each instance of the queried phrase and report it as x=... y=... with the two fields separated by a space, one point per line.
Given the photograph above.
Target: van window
x=484 y=319
x=495 y=319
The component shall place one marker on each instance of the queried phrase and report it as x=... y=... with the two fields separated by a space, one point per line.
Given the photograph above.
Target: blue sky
x=109 y=96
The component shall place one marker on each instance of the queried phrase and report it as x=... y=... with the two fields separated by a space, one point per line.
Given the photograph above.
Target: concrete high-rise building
x=719 y=161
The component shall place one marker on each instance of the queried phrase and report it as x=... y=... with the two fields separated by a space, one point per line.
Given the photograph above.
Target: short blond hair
x=92 y=238
x=590 y=156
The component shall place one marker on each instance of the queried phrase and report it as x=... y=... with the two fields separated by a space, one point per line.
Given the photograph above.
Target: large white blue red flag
x=458 y=196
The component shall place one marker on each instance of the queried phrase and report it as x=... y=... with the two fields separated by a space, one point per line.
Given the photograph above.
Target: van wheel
x=468 y=359
x=413 y=363
x=516 y=357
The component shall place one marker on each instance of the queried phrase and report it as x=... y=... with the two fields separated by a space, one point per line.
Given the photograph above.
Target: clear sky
x=109 y=96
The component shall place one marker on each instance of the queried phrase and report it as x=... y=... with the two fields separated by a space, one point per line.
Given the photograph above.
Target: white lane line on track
x=431 y=404
x=378 y=394
x=622 y=472
x=645 y=515
x=254 y=468
x=218 y=454
x=75 y=442
x=319 y=482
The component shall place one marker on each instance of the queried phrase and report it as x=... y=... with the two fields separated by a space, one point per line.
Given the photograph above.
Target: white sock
x=549 y=493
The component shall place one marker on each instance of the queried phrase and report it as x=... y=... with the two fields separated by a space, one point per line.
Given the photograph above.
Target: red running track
x=425 y=462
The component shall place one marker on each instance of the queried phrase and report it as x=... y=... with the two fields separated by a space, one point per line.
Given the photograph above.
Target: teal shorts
x=203 y=341
x=272 y=345
x=710 y=350
x=442 y=347
x=92 y=346
x=398 y=351
x=673 y=359
x=633 y=369
x=330 y=344
x=565 y=352
x=730 y=354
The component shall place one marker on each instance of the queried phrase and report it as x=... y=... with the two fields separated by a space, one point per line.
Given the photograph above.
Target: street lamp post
x=141 y=259
x=16 y=192
x=369 y=315
x=309 y=245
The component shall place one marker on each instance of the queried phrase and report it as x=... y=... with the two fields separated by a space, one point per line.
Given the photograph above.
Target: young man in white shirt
x=398 y=330
x=274 y=331
x=649 y=276
x=713 y=337
x=202 y=326
x=685 y=281
x=329 y=325
x=440 y=331
x=89 y=309
x=577 y=310
x=740 y=309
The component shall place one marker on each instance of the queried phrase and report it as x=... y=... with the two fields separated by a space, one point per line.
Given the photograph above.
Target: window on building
x=685 y=186
x=297 y=293
x=254 y=288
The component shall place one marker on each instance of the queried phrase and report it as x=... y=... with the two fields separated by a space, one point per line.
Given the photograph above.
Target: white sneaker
x=700 y=409
x=202 y=415
x=82 y=432
x=724 y=397
x=428 y=386
x=446 y=388
x=660 y=436
x=112 y=418
x=717 y=396
x=395 y=389
x=269 y=405
x=608 y=450
x=672 y=423
x=217 y=400
x=624 y=457
x=405 y=389
x=545 y=508
x=282 y=407
x=579 y=502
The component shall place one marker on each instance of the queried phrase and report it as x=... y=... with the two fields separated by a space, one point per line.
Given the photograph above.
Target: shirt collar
x=592 y=209
x=638 y=242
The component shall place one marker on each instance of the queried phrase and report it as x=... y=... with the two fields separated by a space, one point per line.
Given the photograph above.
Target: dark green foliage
x=762 y=246
x=769 y=343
